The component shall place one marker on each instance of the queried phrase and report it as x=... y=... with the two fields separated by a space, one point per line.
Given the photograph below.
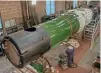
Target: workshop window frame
x=1 y=24
x=50 y=7
x=75 y=4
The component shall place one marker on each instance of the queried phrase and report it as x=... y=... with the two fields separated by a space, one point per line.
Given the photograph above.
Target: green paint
x=60 y=28
x=38 y=67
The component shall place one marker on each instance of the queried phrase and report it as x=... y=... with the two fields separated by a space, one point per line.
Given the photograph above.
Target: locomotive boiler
x=28 y=45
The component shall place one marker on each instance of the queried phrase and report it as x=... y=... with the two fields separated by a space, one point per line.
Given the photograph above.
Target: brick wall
x=60 y=5
x=11 y=10
x=40 y=9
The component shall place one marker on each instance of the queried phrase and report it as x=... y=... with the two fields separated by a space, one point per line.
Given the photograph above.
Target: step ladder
x=89 y=31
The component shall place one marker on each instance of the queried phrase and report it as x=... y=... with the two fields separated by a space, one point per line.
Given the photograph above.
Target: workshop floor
x=4 y=64
x=80 y=54
x=90 y=56
x=84 y=57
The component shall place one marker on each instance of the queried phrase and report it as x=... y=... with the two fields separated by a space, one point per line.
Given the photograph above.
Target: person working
x=70 y=53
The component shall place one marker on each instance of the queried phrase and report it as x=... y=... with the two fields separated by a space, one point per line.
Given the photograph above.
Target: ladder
x=89 y=31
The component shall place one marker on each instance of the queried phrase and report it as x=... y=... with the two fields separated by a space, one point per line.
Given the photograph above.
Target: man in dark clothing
x=70 y=53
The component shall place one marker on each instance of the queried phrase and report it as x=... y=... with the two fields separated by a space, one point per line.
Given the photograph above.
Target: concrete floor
x=86 y=60
x=80 y=54
x=5 y=65
x=90 y=56
x=84 y=56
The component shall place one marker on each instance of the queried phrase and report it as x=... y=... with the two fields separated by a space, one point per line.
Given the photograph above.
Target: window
x=0 y=23
x=10 y=23
x=75 y=3
x=50 y=7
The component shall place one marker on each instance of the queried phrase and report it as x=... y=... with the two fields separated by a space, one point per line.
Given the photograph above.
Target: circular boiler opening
x=12 y=52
